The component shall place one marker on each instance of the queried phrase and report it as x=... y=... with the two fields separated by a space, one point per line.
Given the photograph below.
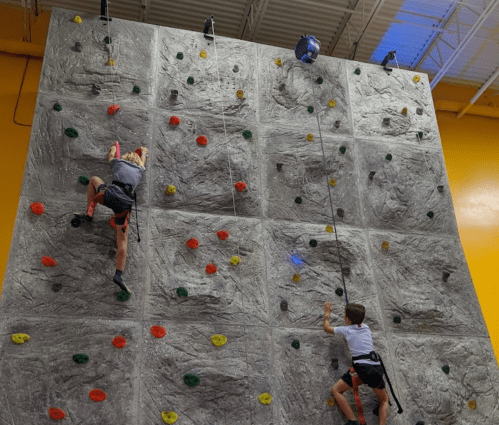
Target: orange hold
x=56 y=414
x=240 y=186
x=158 y=331
x=37 y=208
x=119 y=341
x=175 y=120
x=211 y=268
x=48 y=261
x=202 y=140
x=192 y=243
x=97 y=395
x=223 y=234
x=113 y=109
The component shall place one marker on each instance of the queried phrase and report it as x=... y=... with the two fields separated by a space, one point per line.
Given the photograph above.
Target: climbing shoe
x=83 y=217
x=352 y=423
x=376 y=411
x=117 y=279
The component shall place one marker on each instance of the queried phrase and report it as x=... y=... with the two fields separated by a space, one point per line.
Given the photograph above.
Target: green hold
x=397 y=319
x=339 y=292
x=247 y=134
x=343 y=149
x=320 y=80
x=298 y=200
x=295 y=344
x=71 y=132
x=446 y=369
x=136 y=89
x=58 y=107
x=357 y=71
x=420 y=135
x=389 y=157
x=108 y=40
x=430 y=214
x=313 y=243
x=191 y=379
x=182 y=292
x=123 y=296
x=81 y=358
x=84 y=180
x=420 y=423
x=180 y=55
x=190 y=80
x=310 y=109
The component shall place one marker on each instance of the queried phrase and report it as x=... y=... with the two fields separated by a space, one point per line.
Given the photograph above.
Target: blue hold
x=296 y=260
x=307 y=48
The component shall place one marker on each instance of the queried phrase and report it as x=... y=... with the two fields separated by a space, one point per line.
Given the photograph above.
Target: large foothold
x=80 y=358
x=247 y=134
x=158 y=331
x=71 y=132
x=192 y=243
x=37 y=208
x=313 y=243
x=20 y=338
x=97 y=395
x=56 y=414
x=240 y=186
x=169 y=417
x=446 y=369
x=78 y=47
x=48 y=261
x=371 y=175
x=284 y=305
x=123 y=296
x=136 y=89
x=335 y=363
x=445 y=275
x=119 y=341
x=211 y=269
x=386 y=121
x=343 y=149
x=295 y=344
x=218 y=340
x=191 y=379
x=265 y=398
x=298 y=200
x=56 y=287
x=339 y=292
x=182 y=292
x=340 y=212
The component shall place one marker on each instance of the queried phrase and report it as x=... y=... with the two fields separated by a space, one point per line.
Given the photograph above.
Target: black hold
x=78 y=47
x=282 y=87
x=298 y=200
x=371 y=175
x=337 y=124
x=339 y=292
x=279 y=167
x=313 y=243
x=136 y=89
x=335 y=363
x=419 y=111
x=56 y=287
x=108 y=40
x=58 y=107
x=236 y=68
x=397 y=319
x=340 y=212
x=174 y=94
x=96 y=89
x=75 y=222
x=386 y=121
x=430 y=214
x=440 y=189
x=445 y=275
x=295 y=344
x=389 y=157
x=284 y=305
x=446 y=369
x=346 y=271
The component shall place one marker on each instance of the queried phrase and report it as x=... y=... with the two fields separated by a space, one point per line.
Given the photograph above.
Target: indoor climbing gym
x=249 y=212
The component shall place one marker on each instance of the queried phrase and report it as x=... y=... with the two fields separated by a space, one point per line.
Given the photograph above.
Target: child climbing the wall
x=127 y=174
x=360 y=344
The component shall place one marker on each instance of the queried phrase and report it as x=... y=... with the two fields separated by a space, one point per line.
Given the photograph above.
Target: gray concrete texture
x=72 y=308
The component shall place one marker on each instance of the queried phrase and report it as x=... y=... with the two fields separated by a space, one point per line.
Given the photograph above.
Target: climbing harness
x=307 y=48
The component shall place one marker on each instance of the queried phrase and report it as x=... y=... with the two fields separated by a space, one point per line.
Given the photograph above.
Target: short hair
x=132 y=157
x=355 y=312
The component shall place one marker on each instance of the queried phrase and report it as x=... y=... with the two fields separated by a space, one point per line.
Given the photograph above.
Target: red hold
x=192 y=243
x=119 y=341
x=223 y=234
x=174 y=120
x=240 y=186
x=97 y=395
x=202 y=140
x=158 y=331
x=37 y=208
x=56 y=414
x=113 y=109
x=48 y=261
x=211 y=268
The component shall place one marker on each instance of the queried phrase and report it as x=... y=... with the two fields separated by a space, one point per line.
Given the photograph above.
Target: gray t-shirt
x=127 y=172
x=359 y=340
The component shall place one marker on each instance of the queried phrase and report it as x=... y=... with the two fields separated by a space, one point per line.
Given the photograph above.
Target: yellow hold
x=416 y=79
x=332 y=182
x=265 y=398
x=332 y=103
x=472 y=404
x=169 y=417
x=310 y=137
x=20 y=338
x=278 y=62
x=296 y=277
x=329 y=228
x=219 y=340
x=110 y=62
x=240 y=94
x=330 y=401
x=170 y=190
x=404 y=111
x=202 y=53
x=77 y=19
x=385 y=245
x=235 y=260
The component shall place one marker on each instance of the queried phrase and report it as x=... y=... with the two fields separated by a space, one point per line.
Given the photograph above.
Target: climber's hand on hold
x=145 y=153
x=112 y=153
x=328 y=309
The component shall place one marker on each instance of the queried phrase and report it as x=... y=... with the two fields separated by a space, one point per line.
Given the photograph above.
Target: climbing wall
x=238 y=250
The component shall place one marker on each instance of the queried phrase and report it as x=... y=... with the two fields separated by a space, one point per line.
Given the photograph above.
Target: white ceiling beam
x=492 y=78
x=455 y=54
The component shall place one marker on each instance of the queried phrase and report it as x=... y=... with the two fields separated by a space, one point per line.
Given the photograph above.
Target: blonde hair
x=132 y=157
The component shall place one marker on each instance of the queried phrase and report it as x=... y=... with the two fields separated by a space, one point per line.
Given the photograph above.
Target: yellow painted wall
x=471 y=150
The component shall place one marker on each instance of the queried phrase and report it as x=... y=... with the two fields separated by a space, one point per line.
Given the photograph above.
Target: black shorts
x=371 y=375
x=114 y=204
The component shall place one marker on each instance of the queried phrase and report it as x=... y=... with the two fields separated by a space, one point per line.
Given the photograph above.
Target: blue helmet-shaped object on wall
x=307 y=48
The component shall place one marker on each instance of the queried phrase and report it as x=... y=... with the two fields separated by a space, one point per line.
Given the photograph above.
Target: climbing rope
x=317 y=108
x=109 y=57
